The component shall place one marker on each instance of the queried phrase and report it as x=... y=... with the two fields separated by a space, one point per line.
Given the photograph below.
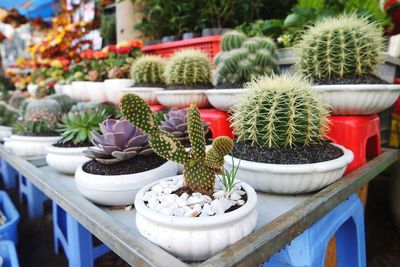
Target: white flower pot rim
x=323 y=166
x=118 y=79
x=16 y=137
x=182 y=91
x=3 y=127
x=357 y=87
x=226 y=91
x=64 y=150
x=141 y=88
x=195 y=222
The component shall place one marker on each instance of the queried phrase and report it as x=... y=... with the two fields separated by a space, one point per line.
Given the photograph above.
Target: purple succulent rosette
x=119 y=140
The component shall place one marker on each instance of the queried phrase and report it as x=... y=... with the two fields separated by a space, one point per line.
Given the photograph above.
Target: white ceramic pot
x=32 y=89
x=147 y=93
x=66 y=89
x=196 y=238
x=394 y=46
x=182 y=98
x=359 y=99
x=58 y=88
x=29 y=146
x=80 y=90
x=291 y=179
x=96 y=92
x=5 y=131
x=65 y=159
x=115 y=190
x=225 y=99
x=113 y=88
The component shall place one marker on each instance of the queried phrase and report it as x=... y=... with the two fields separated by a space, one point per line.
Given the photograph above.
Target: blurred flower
x=123 y=50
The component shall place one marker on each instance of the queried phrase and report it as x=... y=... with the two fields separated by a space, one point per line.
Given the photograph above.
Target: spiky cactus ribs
x=148 y=71
x=199 y=166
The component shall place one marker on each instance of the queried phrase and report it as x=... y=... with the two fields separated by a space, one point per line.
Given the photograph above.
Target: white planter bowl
x=359 y=99
x=147 y=93
x=115 y=190
x=113 y=88
x=29 y=146
x=291 y=179
x=5 y=131
x=80 y=90
x=66 y=89
x=196 y=238
x=96 y=92
x=225 y=99
x=65 y=159
x=32 y=89
x=182 y=98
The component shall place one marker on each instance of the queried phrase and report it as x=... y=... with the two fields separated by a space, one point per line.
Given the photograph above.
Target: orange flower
x=100 y=55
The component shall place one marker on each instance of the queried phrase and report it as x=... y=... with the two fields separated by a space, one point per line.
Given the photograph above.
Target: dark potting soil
x=71 y=144
x=356 y=79
x=312 y=153
x=229 y=86
x=39 y=134
x=189 y=87
x=135 y=165
x=149 y=85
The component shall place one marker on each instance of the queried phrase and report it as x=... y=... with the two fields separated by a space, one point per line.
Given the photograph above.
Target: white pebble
x=178 y=212
x=171 y=198
x=240 y=192
x=194 y=200
x=166 y=211
x=235 y=196
x=203 y=214
x=195 y=213
x=207 y=209
x=128 y=208
x=164 y=184
x=147 y=195
x=197 y=194
x=240 y=202
x=157 y=188
x=219 y=194
x=180 y=202
x=197 y=207
x=207 y=198
x=184 y=196
x=168 y=190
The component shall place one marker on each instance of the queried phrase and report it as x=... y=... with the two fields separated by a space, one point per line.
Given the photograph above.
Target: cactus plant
x=8 y=115
x=65 y=102
x=339 y=46
x=199 y=166
x=280 y=111
x=40 y=124
x=148 y=70
x=42 y=106
x=232 y=40
x=16 y=101
x=257 y=56
x=188 y=68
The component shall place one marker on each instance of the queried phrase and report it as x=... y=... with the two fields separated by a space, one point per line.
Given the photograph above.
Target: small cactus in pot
x=148 y=70
x=232 y=40
x=8 y=115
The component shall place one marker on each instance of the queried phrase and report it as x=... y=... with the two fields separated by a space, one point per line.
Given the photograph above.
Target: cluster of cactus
x=66 y=102
x=148 y=70
x=8 y=115
x=339 y=46
x=241 y=58
x=199 y=166
x=109 y=108
x=189 y=68
x=280 y=111
x=17 y=101
x=44 y=106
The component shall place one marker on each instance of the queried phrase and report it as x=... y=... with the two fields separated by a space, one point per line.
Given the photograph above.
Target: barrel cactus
x=8 y=115
x=148 y=70
x=199 y=166
x=188 y=68
x=340 y=46
x=232 y=40
x=48 y=106
x=280 y=111
x=65 y=101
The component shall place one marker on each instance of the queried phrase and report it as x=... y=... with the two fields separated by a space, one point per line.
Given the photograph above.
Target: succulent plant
x=119 y=140
x=65 y=102
x=188 y=67
x=232 y=40
x=110 y=108
x=8 y=115
x=199 y=166
x=339 y=46
x=257 y=56
x=40 y=123
x=77 y=127
x=280 y=111
x=148 y=70
x=42 y=106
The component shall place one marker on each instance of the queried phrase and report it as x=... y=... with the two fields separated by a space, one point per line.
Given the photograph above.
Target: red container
x=209 y=44
x=218 y=122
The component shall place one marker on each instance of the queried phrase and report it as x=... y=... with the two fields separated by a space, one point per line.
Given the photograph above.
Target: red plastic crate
x=208 y=44
x=218 y=122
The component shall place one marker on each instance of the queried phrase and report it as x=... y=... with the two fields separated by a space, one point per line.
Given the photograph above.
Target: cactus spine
x=44 y=106
x=148 y=70
x=232 y=40
x=199 y=166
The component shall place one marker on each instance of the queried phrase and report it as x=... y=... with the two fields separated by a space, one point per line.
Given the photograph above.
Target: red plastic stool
x=360 y=134
x=218 y=120
x=155 y=108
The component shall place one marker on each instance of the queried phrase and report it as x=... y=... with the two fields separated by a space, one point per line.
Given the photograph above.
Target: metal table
x=277 y=224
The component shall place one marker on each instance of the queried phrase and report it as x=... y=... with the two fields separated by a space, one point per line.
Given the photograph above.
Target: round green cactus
x=339 y=46
x=188 y=67
x=8 y=115
x=232 y=40
x=257 y=56
x=46 y=106
x=280 y=111
x=148 y=70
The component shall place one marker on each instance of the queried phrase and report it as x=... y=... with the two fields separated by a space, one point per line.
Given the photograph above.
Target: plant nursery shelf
x=281 y=218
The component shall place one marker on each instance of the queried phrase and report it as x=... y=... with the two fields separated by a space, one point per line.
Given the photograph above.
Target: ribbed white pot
x=30 y=146
x=96 y=92
x=5 y=131
x=196 y=238
x=66 y=89
x=65 y=159
x=147 y=93
x=182 y=98
x=80 y=90
x=225 y=99
x=359 y=99
x=291 y=179
x=113 y=88
x=115 y=190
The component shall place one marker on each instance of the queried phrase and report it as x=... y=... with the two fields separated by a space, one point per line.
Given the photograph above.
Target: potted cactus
x=188 y=76
x=241 y=60
x=280 y=129
x=341 y=55
x=36 y=130
x=8 y=117
x=147 y=72
x=193 y=208
x=122 y=162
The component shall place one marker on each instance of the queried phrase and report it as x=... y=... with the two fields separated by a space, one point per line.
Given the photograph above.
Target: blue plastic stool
x=346 y=221
x=9 y=174
x=75 y=239
x=9 y=230
x=9 y=254
x=33 y=196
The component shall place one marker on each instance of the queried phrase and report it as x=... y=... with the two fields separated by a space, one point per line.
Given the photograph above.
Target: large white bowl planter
x=291 y=179
x=96 y=92
x=115 y=190
x=113 y=88
x=29 y=146
x=182 y=98
x=66 y=89
x=224 y=99
x=65 y=159
x=80 y=90
x=196 y=238
x=5 y=131
x=147 y=93
x=359 y=99
x=32 y=89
